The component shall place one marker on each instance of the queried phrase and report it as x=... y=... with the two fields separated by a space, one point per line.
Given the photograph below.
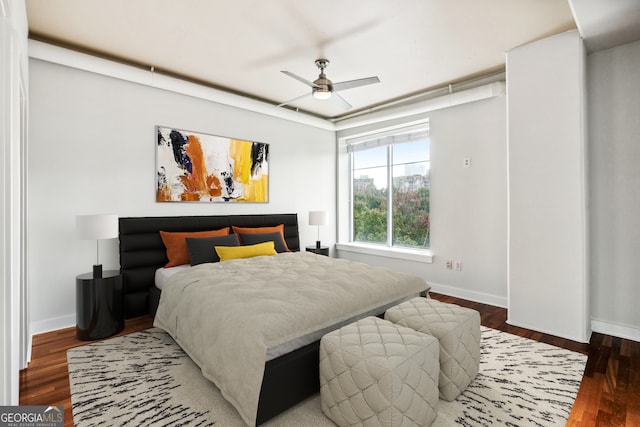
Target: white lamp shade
x=97 y=227
x=317 y=218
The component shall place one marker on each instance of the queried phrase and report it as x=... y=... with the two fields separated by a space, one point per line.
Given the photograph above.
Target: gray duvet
x=226 y=315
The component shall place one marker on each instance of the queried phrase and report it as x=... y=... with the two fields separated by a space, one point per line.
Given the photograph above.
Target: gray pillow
x=202 y=250
x=276 y=237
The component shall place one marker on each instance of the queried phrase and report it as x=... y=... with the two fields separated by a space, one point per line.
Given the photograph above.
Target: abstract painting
x=197 y=167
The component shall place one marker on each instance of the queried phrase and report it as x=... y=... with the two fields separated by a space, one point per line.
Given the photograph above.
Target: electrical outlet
x=466 y=162
x=449 y=264
x=457 y=265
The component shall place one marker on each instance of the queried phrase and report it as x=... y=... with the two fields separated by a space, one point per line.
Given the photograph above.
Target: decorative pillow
x=276 y=238
x=201 y=250
x=228 y=252
x=261 y=230
x=177 y=252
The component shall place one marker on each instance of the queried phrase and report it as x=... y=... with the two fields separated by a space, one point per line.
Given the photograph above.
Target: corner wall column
x=548 y=285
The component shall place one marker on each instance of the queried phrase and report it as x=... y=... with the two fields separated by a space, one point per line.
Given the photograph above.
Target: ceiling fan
x=323 y=88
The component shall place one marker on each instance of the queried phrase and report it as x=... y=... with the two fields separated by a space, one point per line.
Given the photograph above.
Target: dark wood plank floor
x=609 y=394
x=46 y=380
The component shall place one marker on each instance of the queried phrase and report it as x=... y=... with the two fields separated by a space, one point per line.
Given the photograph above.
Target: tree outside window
x=399 y=218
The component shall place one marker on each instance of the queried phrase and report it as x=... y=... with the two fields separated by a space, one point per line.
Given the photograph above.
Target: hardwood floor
x=609 y=394
x=46 y=380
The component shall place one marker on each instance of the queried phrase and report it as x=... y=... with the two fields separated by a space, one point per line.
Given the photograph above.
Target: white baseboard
x=600 y=326
x=581 y=339
x=469 y=295
x=616 y=329
x=49 y=325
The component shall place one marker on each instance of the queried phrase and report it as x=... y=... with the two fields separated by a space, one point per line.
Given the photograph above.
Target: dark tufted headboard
x=142 y=251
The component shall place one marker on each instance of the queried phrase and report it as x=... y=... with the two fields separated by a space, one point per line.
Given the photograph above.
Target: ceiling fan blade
x=349 y=84
x=298 y=78
x=294 y=99
x=337 y=99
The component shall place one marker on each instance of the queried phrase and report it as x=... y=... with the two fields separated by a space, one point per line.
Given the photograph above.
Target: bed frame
x=142 y=251
x=288 y=379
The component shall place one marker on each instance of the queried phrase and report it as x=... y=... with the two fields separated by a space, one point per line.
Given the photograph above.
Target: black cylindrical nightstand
x=99 y=305
x=324 y=250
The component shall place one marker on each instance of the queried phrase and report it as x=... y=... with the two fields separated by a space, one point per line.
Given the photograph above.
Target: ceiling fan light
x=322 y=94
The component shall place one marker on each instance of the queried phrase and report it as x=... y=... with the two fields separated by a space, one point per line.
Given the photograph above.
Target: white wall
x=614 y=152
x=582 y=265
x=13 y=115
x=468 y=205
x=92 y=150
x=548 y=283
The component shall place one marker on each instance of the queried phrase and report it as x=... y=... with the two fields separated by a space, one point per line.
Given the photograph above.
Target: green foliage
x=370 y=215
x=410 y=216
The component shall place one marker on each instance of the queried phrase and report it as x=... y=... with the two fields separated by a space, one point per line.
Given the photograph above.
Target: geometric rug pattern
x=521 y=383
x=144 y=378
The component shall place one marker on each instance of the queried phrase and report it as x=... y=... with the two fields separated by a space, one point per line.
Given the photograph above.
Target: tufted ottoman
x=458 y=330
x=375 y=373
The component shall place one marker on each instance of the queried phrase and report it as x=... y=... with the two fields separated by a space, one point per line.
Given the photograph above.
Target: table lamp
x=97 y=227
x=318 y=218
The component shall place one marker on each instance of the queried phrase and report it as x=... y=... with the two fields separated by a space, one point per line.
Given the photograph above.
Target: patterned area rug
x=146 y=379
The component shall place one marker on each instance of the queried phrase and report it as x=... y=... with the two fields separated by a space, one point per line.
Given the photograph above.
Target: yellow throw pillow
x=234 y=252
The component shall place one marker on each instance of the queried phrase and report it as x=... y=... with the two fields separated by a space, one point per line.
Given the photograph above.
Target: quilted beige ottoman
x=458 y=330
x=375 y=373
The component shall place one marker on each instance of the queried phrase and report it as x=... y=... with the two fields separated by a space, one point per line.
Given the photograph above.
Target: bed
x=286 y=379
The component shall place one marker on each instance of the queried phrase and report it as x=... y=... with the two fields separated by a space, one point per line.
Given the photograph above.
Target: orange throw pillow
x=260 y=230
x=176 y=245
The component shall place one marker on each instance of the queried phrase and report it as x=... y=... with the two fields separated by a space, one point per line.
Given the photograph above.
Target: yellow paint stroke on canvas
x=240 y=152
x=256 y=189
x=260 y=188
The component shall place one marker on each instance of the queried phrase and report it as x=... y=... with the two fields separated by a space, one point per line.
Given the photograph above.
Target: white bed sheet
x=163 y=274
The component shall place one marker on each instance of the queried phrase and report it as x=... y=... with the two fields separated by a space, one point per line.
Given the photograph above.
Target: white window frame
x=386 y=250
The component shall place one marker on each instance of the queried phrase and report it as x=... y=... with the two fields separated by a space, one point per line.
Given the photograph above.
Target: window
x=399 y=160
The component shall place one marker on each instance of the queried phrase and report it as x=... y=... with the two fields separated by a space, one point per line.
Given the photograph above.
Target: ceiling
x=604 y=23
x=241 y=46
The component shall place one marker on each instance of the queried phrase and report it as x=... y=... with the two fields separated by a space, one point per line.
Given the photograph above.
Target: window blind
x=395 y=136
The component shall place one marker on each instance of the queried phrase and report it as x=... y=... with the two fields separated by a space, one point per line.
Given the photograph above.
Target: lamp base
x=97 y=271
x=318 y=244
